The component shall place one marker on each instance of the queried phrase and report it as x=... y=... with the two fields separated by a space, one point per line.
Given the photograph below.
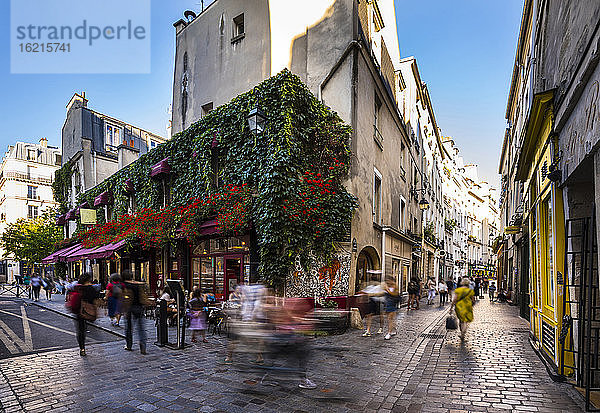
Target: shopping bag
x=451 y=323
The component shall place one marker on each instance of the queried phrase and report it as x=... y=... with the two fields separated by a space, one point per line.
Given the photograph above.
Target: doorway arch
x=368 y=260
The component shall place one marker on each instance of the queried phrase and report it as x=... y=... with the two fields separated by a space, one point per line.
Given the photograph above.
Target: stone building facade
x=551 y=176
x=347 y=53
x=26 y=177
x=96 y=146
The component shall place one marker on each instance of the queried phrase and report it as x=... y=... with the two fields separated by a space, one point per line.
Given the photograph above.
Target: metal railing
x=14 y=290
x=23 y=176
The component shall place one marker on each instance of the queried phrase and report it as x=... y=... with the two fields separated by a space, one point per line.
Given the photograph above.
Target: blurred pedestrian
x=134 y=300
x=463 y=305
x=376 y=294
x=477 y=288
x=82 y=303
x=113 y=297
x=392 y=298
x=491 y=291
x=197 y=306
x=36 y=285
x=430 y=291
x=48 y=284
x=443 y=290
x=414 y=292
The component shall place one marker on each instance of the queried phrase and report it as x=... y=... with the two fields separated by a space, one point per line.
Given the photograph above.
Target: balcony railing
x=23 y=176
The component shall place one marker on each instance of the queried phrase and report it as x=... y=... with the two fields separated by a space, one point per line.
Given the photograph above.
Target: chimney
x=44 y=143
x=78 y=100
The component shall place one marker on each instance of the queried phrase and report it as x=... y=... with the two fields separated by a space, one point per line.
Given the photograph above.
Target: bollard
x=161 y=324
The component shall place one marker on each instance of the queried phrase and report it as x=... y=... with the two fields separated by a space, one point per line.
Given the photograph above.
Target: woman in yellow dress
x=463 y=305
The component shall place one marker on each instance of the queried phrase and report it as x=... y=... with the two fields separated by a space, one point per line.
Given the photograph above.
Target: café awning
x=161 y=168
x=56 y=255
x=102 y=252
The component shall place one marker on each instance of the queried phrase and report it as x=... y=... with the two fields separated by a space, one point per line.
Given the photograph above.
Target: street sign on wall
x=88 y=216
x=513 y=229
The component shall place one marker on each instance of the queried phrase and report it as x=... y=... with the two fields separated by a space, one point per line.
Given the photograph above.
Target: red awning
x=208 y=227
x=161 y=168
x=105 y=251
x=70 y=215
x=102 y=199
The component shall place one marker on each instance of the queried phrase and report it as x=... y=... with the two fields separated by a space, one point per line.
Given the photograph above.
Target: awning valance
x=105 y=251
x=161 y=168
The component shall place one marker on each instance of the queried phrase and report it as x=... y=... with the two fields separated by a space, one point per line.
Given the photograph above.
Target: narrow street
x=422 y=369
x=27 y=328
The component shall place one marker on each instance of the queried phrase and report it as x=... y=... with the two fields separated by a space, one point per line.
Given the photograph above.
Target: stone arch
x=367 y=260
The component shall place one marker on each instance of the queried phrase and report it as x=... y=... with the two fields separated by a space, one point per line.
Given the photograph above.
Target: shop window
x=548 y=234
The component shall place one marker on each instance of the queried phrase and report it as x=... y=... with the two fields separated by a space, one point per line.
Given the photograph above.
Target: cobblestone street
x=422 y=369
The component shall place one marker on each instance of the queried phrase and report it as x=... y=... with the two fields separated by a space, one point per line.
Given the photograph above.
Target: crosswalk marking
x=26 y=329
x=31 y=320
x=10 y=346
x=13 y=336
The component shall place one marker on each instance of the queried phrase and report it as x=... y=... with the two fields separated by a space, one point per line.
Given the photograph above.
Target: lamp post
x=257 y=122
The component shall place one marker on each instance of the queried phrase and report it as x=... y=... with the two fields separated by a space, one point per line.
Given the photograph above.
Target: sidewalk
x=422 y=369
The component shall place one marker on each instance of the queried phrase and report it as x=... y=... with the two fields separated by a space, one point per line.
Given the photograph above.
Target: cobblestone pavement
x=422 y=369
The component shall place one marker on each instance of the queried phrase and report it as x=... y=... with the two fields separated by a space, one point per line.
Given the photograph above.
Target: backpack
x=117 y=290
x=413 y=286
x=74 y=302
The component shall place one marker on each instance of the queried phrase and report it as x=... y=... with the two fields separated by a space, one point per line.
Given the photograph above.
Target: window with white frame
x=31 y=192
x=32 y=211
x=238 y=28
x=377 y=196
x=112 y=137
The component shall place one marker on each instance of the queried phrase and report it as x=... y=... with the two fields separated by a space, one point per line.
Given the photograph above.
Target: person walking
x=392 y=298
x=135 y=299
x=430 y=291
x=48 y=284
x=197 y=306
x=36 y=285
x=376 y=294
x=413 y=294
x=443 y=290
x=113 y=297
x=82 y=304
x=491 y=291
x=463 y=305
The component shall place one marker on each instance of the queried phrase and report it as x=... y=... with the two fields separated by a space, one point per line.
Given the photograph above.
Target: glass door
x=233 y=273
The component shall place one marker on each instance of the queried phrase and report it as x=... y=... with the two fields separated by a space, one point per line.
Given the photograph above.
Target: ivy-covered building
x=347 y=54
x=234 y=197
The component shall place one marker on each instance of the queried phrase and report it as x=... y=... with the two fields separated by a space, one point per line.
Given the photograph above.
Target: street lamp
x=256 y=121
x=423 y=204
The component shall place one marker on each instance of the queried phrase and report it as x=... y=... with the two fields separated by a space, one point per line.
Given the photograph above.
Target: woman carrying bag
x=463 y=305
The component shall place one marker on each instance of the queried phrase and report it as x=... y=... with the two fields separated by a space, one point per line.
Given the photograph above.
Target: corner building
x=347 y=53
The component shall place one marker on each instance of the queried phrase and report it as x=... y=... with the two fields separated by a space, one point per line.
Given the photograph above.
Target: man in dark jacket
x=134 y=302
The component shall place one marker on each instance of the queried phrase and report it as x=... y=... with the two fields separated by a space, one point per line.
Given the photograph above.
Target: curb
x=108 y=330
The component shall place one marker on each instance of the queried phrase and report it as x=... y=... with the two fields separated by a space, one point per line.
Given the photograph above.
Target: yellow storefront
x=544 y=223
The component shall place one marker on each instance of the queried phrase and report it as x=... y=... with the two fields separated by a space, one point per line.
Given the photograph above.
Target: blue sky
x=464 y=48
x=465 y=51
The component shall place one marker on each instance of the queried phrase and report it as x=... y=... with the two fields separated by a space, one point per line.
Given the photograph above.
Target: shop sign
x=88 y=216
x=513 y=229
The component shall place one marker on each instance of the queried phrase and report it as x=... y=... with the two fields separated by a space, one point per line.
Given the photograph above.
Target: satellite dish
x=189 y=15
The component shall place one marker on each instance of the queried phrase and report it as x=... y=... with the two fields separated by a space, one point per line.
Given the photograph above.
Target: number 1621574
x=45 y=47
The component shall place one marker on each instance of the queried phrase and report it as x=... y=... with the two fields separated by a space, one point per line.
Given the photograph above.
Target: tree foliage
x=31 y=240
